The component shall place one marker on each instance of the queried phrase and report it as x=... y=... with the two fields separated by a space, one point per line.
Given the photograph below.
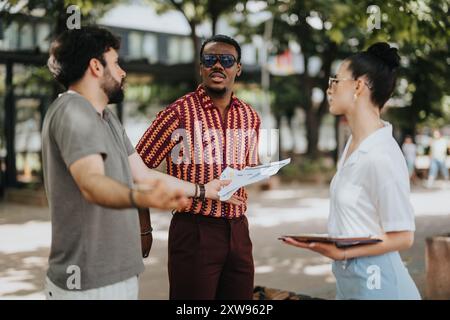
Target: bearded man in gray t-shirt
x=94 y=179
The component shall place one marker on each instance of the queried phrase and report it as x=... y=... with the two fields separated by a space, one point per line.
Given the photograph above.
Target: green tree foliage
x=196 y=12
x=55 y=11
x=332 y=30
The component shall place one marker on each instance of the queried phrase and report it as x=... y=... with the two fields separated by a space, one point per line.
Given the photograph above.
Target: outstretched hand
x=213 y=187
x=154 y=193
x=326 y=249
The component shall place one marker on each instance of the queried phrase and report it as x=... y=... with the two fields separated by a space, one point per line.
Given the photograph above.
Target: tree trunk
x=58 y=28
x=413 y=118
x=10 y=127
x=437 y=261
x=280 y=139
x=196 y=47
x=61 y=18
x=314 y=115
x=214 y=19
x=312 y=133
x=290 y=124
x=336 y=135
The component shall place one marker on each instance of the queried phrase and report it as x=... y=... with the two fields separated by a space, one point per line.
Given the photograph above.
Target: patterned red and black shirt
x=198 y=145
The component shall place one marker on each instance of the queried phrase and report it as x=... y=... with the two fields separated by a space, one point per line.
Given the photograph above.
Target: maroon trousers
x=210 y=258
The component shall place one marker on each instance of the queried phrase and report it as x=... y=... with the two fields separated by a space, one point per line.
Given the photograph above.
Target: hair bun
x=386 y=53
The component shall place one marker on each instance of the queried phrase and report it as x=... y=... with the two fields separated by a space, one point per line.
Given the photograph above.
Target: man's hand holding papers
x=247 y=176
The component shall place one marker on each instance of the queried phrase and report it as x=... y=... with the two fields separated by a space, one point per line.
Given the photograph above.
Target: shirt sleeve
x=128 y=144
x=77 y=131
x=393 y=199
x=126 y=140
x=253 y=154
x=159 y=139
x=119 y=128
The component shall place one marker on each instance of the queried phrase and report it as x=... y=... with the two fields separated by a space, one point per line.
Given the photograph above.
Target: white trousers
x=124 y=290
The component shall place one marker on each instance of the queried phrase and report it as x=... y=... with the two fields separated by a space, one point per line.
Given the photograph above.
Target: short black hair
x=72 y=50
x=224 y=39
x=379 y=63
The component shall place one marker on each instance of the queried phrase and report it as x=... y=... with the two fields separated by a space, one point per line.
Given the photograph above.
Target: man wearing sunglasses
x=199 y=135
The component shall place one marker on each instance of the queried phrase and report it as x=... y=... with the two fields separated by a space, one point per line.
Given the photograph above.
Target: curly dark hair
x=72 y=51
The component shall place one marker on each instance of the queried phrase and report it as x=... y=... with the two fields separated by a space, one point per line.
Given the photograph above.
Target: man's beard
x=112 y=88
x=216 y=92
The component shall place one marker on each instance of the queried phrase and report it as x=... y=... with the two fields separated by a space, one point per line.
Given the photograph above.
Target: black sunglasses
x=226 y=60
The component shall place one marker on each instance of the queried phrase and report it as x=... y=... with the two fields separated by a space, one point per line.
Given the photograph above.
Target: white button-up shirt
x=370 y=191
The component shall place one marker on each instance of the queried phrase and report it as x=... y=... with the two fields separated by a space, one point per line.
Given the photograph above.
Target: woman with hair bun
x=370 y=191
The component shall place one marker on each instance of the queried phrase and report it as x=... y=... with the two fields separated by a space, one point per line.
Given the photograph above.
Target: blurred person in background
x=438 y=158
x=409 y=149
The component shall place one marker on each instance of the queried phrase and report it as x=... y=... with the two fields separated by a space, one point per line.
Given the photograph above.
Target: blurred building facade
x=156 y=48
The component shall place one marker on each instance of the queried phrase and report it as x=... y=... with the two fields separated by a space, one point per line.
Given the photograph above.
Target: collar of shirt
x=367 y=144
x=106 y=111
x=206 y=101
x=106 y=114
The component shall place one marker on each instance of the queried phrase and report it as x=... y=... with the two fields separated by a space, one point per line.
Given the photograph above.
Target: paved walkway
x=25 y=238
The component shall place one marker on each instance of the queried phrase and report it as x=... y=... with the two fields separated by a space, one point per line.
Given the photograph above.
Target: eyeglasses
x=226 y=60
x=334 y=80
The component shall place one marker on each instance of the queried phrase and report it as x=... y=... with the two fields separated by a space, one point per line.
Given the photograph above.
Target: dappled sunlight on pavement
x=25 y=234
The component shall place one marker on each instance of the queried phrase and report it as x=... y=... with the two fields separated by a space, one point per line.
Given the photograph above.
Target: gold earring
x=355 y=96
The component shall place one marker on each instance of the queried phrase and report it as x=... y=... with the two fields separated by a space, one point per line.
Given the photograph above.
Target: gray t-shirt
x=99 y=245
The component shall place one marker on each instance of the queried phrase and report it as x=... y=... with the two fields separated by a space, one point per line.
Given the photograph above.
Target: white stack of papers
x=248 y=175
